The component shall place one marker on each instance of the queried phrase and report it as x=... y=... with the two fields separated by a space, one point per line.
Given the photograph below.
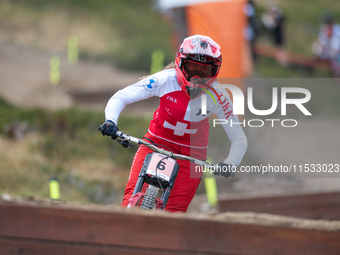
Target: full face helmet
x=198 y=62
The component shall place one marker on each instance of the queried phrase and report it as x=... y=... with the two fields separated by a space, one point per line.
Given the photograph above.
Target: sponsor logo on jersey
x=226 y=105
x=201 y=113
x=150 y=83
x=167 y=110
x=170 y=98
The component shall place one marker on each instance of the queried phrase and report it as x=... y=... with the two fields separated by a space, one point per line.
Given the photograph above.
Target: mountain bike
x=159 y=170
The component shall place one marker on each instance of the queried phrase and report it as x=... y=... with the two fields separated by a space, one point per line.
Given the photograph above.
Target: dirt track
x=25 y=82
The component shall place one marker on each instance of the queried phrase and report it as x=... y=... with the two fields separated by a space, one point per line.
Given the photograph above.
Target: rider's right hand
x=109 y=128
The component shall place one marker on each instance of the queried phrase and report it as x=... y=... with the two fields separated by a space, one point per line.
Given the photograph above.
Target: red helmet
x=198 y=62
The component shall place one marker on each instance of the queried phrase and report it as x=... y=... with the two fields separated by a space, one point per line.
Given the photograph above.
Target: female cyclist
x=179 y=123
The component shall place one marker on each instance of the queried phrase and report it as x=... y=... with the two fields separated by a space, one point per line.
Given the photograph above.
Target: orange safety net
x=224 y=22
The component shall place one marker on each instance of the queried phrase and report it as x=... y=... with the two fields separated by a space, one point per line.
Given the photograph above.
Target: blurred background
x=61 y=60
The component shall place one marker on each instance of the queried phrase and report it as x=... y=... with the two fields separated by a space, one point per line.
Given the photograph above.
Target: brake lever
x=125 y=143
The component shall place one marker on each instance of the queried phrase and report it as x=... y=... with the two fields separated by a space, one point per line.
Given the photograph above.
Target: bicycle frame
x=160 y=172
x=150 y=175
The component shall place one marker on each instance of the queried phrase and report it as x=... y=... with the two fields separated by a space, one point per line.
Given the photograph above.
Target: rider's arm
x=143 y=89
x=121 y=99
x=235 y=132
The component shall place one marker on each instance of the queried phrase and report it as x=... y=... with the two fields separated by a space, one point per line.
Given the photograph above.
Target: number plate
x=161 y=166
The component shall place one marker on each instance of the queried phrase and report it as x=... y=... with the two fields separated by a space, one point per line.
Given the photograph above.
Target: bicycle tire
x=149 y=200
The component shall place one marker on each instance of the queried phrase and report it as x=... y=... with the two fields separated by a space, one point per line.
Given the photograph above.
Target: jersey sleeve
x=232 y=127
x=143 y=89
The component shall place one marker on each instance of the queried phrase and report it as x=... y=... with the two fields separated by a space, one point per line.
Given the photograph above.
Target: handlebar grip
x=118 y=133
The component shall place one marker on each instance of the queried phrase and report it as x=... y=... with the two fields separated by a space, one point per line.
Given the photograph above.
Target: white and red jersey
x=179 y=119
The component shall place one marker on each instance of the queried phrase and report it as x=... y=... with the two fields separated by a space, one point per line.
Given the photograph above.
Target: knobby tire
x=149 y=199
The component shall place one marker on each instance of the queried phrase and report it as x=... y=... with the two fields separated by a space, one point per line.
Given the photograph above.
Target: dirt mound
x=37 y=227
x=25 y=77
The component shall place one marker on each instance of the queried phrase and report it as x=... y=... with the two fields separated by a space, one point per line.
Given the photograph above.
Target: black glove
x=109 y=128
x=224 y=169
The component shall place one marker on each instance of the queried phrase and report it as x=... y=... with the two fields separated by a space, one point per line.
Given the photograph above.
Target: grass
x=91 y=168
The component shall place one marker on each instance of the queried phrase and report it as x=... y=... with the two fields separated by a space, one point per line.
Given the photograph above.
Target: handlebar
x=129 y=140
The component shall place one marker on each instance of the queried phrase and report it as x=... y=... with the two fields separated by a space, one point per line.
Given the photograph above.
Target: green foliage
x=68 y=139
x=10 y=114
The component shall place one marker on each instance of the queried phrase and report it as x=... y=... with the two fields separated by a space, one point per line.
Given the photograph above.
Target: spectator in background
x=253 y=27
x=273 y=19
x=327 y=46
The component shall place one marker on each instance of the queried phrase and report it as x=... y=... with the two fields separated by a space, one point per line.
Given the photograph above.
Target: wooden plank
x=163 y=231
x=311 y=206
x=42 y=247
x=119 y=228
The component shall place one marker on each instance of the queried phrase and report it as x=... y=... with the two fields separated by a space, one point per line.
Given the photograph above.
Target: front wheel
x=149 y=200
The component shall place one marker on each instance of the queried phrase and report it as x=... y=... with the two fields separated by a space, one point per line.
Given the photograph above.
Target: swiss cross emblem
x=180 y=129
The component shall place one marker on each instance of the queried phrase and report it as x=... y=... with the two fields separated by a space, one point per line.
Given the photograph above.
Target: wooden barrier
x=31 y=228
x=308 y=206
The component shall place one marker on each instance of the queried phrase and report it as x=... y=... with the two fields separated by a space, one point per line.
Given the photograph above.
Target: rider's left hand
x=224 y=169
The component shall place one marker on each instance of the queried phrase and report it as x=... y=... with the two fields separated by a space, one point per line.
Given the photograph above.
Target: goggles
x=198 y=66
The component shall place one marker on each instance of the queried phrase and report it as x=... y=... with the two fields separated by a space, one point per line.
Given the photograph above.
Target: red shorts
x=185 y=185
